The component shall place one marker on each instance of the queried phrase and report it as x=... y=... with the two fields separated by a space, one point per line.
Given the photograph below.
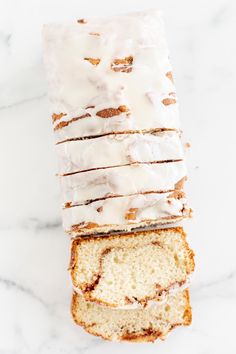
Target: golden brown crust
x=178 y=229
x=169 y=74
x=177 y=194
x=100 y=209
x=180 y=184
x=93 y=61
x=148 y=335
x=66 y=123
x=85 y=229
x=187 y=145
x=188 y=310
x=112 y=112
x=124 y=65
x=57 y=116
x=92 y=238
x=82 y=225
x=87 y=289
x=73 y=258
x=74 y=308
x=168 y=101
x=82 y=21
x=131 y=214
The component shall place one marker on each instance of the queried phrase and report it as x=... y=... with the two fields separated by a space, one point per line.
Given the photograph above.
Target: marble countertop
x=34 y=284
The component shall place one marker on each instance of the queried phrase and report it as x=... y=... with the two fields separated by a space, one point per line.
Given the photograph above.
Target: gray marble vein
x=24 y=101
x=14 y=286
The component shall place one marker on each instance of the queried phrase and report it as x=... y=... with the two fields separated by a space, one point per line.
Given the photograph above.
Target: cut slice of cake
x=81 y=187
x=123 y=270
x=139 y=325
x=125 y=213
x=118 y=150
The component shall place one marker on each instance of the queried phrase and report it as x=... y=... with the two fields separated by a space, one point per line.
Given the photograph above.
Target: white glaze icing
x=74 y=83
x=114 y=211
x=80 y=187
x=115 y=150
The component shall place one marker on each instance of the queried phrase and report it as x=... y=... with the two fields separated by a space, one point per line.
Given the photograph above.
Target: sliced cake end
x=139 y=325
x=130 y=270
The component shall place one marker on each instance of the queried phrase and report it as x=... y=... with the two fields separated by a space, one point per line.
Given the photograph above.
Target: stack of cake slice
x=121 y=168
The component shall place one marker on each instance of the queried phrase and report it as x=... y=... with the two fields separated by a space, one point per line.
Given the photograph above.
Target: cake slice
x=123 y=270
x=139 y=325
x=82 y=187
x=118 y=150
x=125 y=213
x=109 y=75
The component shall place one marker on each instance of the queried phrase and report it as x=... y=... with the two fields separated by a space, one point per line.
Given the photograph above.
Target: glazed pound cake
x=121 y=168
x=128 y=271
x=139 y=325
x=115 y=117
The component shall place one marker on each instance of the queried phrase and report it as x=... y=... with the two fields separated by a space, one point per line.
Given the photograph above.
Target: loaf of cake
x=122 y=173
x=129 y=270
x=115 y=117
x=133 y=325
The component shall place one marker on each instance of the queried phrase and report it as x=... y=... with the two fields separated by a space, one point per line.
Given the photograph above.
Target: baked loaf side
x=110 y=75
x=132 y=269
x=125 y=213
x=139 y=325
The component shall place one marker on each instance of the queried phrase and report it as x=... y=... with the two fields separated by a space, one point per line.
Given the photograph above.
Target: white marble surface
x=34 y=284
